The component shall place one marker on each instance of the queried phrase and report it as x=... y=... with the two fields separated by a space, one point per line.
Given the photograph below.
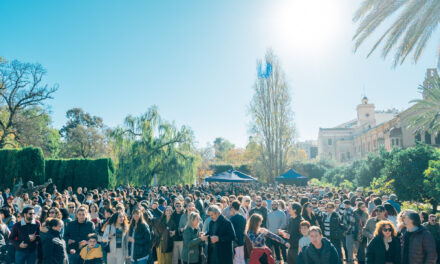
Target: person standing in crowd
x=370 y=226
x=221 y=235
x=91 y=252
x=25 y=236
x=304 y=241
x=164 y=226
x=320 y=250
x=393 y=201
x=239 y=223
x=333 y=228
x=258 y=236
x=293 y=232
x=349 y=223
x=192 y=240
x=115 y=235
x=77 y=234
x=418 y=244
x=434 y=227
x=309 y=215
x=198 y=202
x=259 y=209
x=392 y=213
x=384 y=248
x=361 y=217
x=246 y=206
x=276 y=219
x=140 y=239
x=176 y=233
x=54 y=246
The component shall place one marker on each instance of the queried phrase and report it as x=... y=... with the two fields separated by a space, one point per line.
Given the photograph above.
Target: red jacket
x=257 y=253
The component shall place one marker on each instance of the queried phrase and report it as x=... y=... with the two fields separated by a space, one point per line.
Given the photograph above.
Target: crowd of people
x=214 y=224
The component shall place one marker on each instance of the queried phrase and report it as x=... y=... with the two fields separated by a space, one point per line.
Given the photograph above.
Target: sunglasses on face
x=258 y=201
x=387 y=229
x=178 y=206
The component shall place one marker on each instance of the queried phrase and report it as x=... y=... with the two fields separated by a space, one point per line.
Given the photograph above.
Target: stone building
x=371 y=130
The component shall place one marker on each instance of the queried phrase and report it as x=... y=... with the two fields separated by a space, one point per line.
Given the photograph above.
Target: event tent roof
x=231 y=176
x=291 y=175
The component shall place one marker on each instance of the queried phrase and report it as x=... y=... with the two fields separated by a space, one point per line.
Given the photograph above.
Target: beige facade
x=367 y=133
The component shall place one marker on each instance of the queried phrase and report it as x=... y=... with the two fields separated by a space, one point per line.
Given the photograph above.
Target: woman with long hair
x=139 y=239
x=164 y=226
x=257 y=234
x=192 y=240
x=115 y=234
x=392 y=213
x=94 y=214
x=385 y=247
x=308 y=214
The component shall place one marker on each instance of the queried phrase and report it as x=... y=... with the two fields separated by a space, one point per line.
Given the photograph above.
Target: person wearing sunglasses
x=385 y=247
x=25 y=236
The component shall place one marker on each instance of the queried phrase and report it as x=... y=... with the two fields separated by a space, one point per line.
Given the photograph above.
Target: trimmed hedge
x=26 y=163
x=90 y=173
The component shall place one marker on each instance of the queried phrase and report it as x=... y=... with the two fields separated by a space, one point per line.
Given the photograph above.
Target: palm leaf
x=415 y=22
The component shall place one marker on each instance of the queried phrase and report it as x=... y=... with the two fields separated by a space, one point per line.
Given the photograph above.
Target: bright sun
x=307 y=26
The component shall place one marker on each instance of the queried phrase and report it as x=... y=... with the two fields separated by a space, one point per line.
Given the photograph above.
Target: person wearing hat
x=394 y=203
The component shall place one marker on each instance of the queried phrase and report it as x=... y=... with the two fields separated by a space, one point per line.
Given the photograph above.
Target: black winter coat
x=78 y=232
x=226 y=234
x=54 y=249
x=142 y=241
x=376 y=250
x=327 y=254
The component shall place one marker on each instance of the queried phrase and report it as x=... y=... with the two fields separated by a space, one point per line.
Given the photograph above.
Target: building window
x=348 y=156
x=392 y=142
x=329 y=141
x=437 y=139
x=397 y=142
x=342 y=157
x=428 y=138
x=418 y=137
x=330 y=155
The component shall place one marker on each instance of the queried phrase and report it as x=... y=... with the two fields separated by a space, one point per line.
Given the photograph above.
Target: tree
x=425 y=114
x=33 y=126
x=83 y=135
x=272 y=117
x=148 y=146
x=221 y=147
x=414 y=23
x=407 y=169
x=21 y=87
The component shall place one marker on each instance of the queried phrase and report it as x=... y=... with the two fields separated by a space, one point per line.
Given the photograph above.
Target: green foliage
x=83 y=135
x=418 y=207
x=26 y=163
x=221 y=148
x=335 y=175
x=219 y=168
x=91 y=173
x=407 y=169
x=310 y=169
x=148 y=146
x=381 y=186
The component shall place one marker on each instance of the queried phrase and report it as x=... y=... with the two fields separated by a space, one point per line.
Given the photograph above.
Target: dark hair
x=390 y=209
x=53 y=222
x=425 y=216
x=304 y=211
x=93 y=236
x=377 y=201
x=236 y=205
x=297 y=208
x=64 y=213
x=380 y=208
x=415 y=218
x=27 y=209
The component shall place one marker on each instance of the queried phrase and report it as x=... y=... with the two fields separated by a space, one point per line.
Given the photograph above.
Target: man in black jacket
x=199 y=204
x=54 y=247
x=77 y=233
x=259 y=209
x=221 y=234
x=293 y=233
x=176 y=233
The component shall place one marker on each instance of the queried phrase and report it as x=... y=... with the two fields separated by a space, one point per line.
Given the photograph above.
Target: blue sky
x=196 y=60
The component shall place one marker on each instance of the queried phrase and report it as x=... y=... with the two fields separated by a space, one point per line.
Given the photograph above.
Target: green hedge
x=26 y=163
x=91 y=173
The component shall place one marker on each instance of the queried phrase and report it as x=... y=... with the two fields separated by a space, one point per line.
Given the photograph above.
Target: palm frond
x=409 y=32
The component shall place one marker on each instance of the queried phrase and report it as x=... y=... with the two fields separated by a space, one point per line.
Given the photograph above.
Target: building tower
x=365 y=115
